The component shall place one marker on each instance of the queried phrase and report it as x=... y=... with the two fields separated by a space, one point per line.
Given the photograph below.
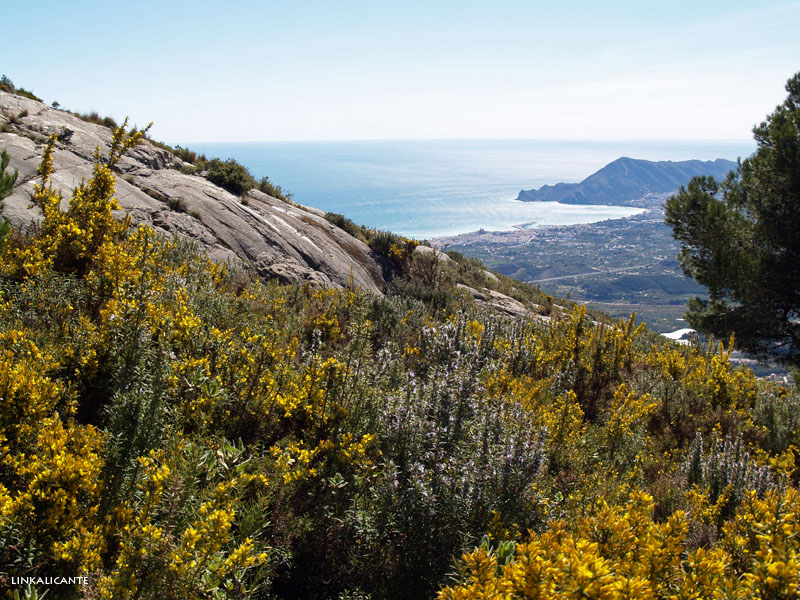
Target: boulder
x=499 y=302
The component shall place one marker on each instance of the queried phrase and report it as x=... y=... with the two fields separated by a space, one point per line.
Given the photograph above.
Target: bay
x=431 y=188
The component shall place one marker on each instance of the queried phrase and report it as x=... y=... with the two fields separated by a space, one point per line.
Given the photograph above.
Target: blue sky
x=257 y=71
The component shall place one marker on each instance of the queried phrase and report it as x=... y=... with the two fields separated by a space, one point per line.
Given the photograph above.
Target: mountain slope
x=173 y=430
x=628 y=181
x=278 y=239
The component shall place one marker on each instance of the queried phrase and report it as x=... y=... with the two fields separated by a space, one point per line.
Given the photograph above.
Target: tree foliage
x=741 y=239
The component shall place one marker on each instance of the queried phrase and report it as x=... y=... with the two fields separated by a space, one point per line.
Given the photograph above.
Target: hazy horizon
x=710 y=141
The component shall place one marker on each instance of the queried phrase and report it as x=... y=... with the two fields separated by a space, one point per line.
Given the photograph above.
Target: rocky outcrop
x=277 y=239
x=501 y=303
x=431 y=253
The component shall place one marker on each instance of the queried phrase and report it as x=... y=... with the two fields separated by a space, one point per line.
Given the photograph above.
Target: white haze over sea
x=432 y=188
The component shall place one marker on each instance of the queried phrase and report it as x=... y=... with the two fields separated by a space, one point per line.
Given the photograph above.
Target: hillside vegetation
x=175 y=429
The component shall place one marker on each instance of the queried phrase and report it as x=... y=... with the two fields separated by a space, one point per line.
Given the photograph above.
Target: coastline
x=523 y=233
x=551 y=214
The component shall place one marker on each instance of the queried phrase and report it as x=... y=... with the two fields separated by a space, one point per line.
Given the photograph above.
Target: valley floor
x=619 y=266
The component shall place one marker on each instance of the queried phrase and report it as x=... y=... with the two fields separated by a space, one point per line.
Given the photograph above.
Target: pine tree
x=741 y=239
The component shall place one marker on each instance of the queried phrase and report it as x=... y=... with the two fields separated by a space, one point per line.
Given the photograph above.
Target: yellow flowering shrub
x=27 y=394
x=68 y=240
x=192 y=562
x=763 y=543
x=296 y=462
x=622 y=553
x=58 y=494
x=699 y=388
x=51 y=463
x=200 y=557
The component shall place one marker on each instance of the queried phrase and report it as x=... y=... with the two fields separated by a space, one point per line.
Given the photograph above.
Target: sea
x=434 y=188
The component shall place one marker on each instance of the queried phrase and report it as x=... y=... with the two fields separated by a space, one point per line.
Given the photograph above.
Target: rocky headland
x=630 y=182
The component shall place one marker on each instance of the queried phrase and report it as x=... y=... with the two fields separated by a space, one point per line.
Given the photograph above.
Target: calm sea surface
x=431 y=188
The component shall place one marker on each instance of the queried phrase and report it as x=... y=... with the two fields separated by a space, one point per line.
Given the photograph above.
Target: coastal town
x=620 y=265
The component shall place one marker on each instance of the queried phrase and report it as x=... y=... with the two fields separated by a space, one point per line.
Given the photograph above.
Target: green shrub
x=27 y=94
x=274 y=190
x=7 y=180
x=383 y=241
x=176 y=204
x=6 y=85
x=440 y=298
x=185 y=154
x=230 y=175
x=94 y=117
x=357 y=231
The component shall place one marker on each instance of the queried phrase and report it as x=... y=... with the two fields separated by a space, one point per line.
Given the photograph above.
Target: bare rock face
x=278 y=239
x=428 y=251
x=501 y=303
x=506 y=304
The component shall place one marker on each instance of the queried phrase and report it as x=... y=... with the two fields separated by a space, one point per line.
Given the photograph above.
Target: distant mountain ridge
x=629 y=181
